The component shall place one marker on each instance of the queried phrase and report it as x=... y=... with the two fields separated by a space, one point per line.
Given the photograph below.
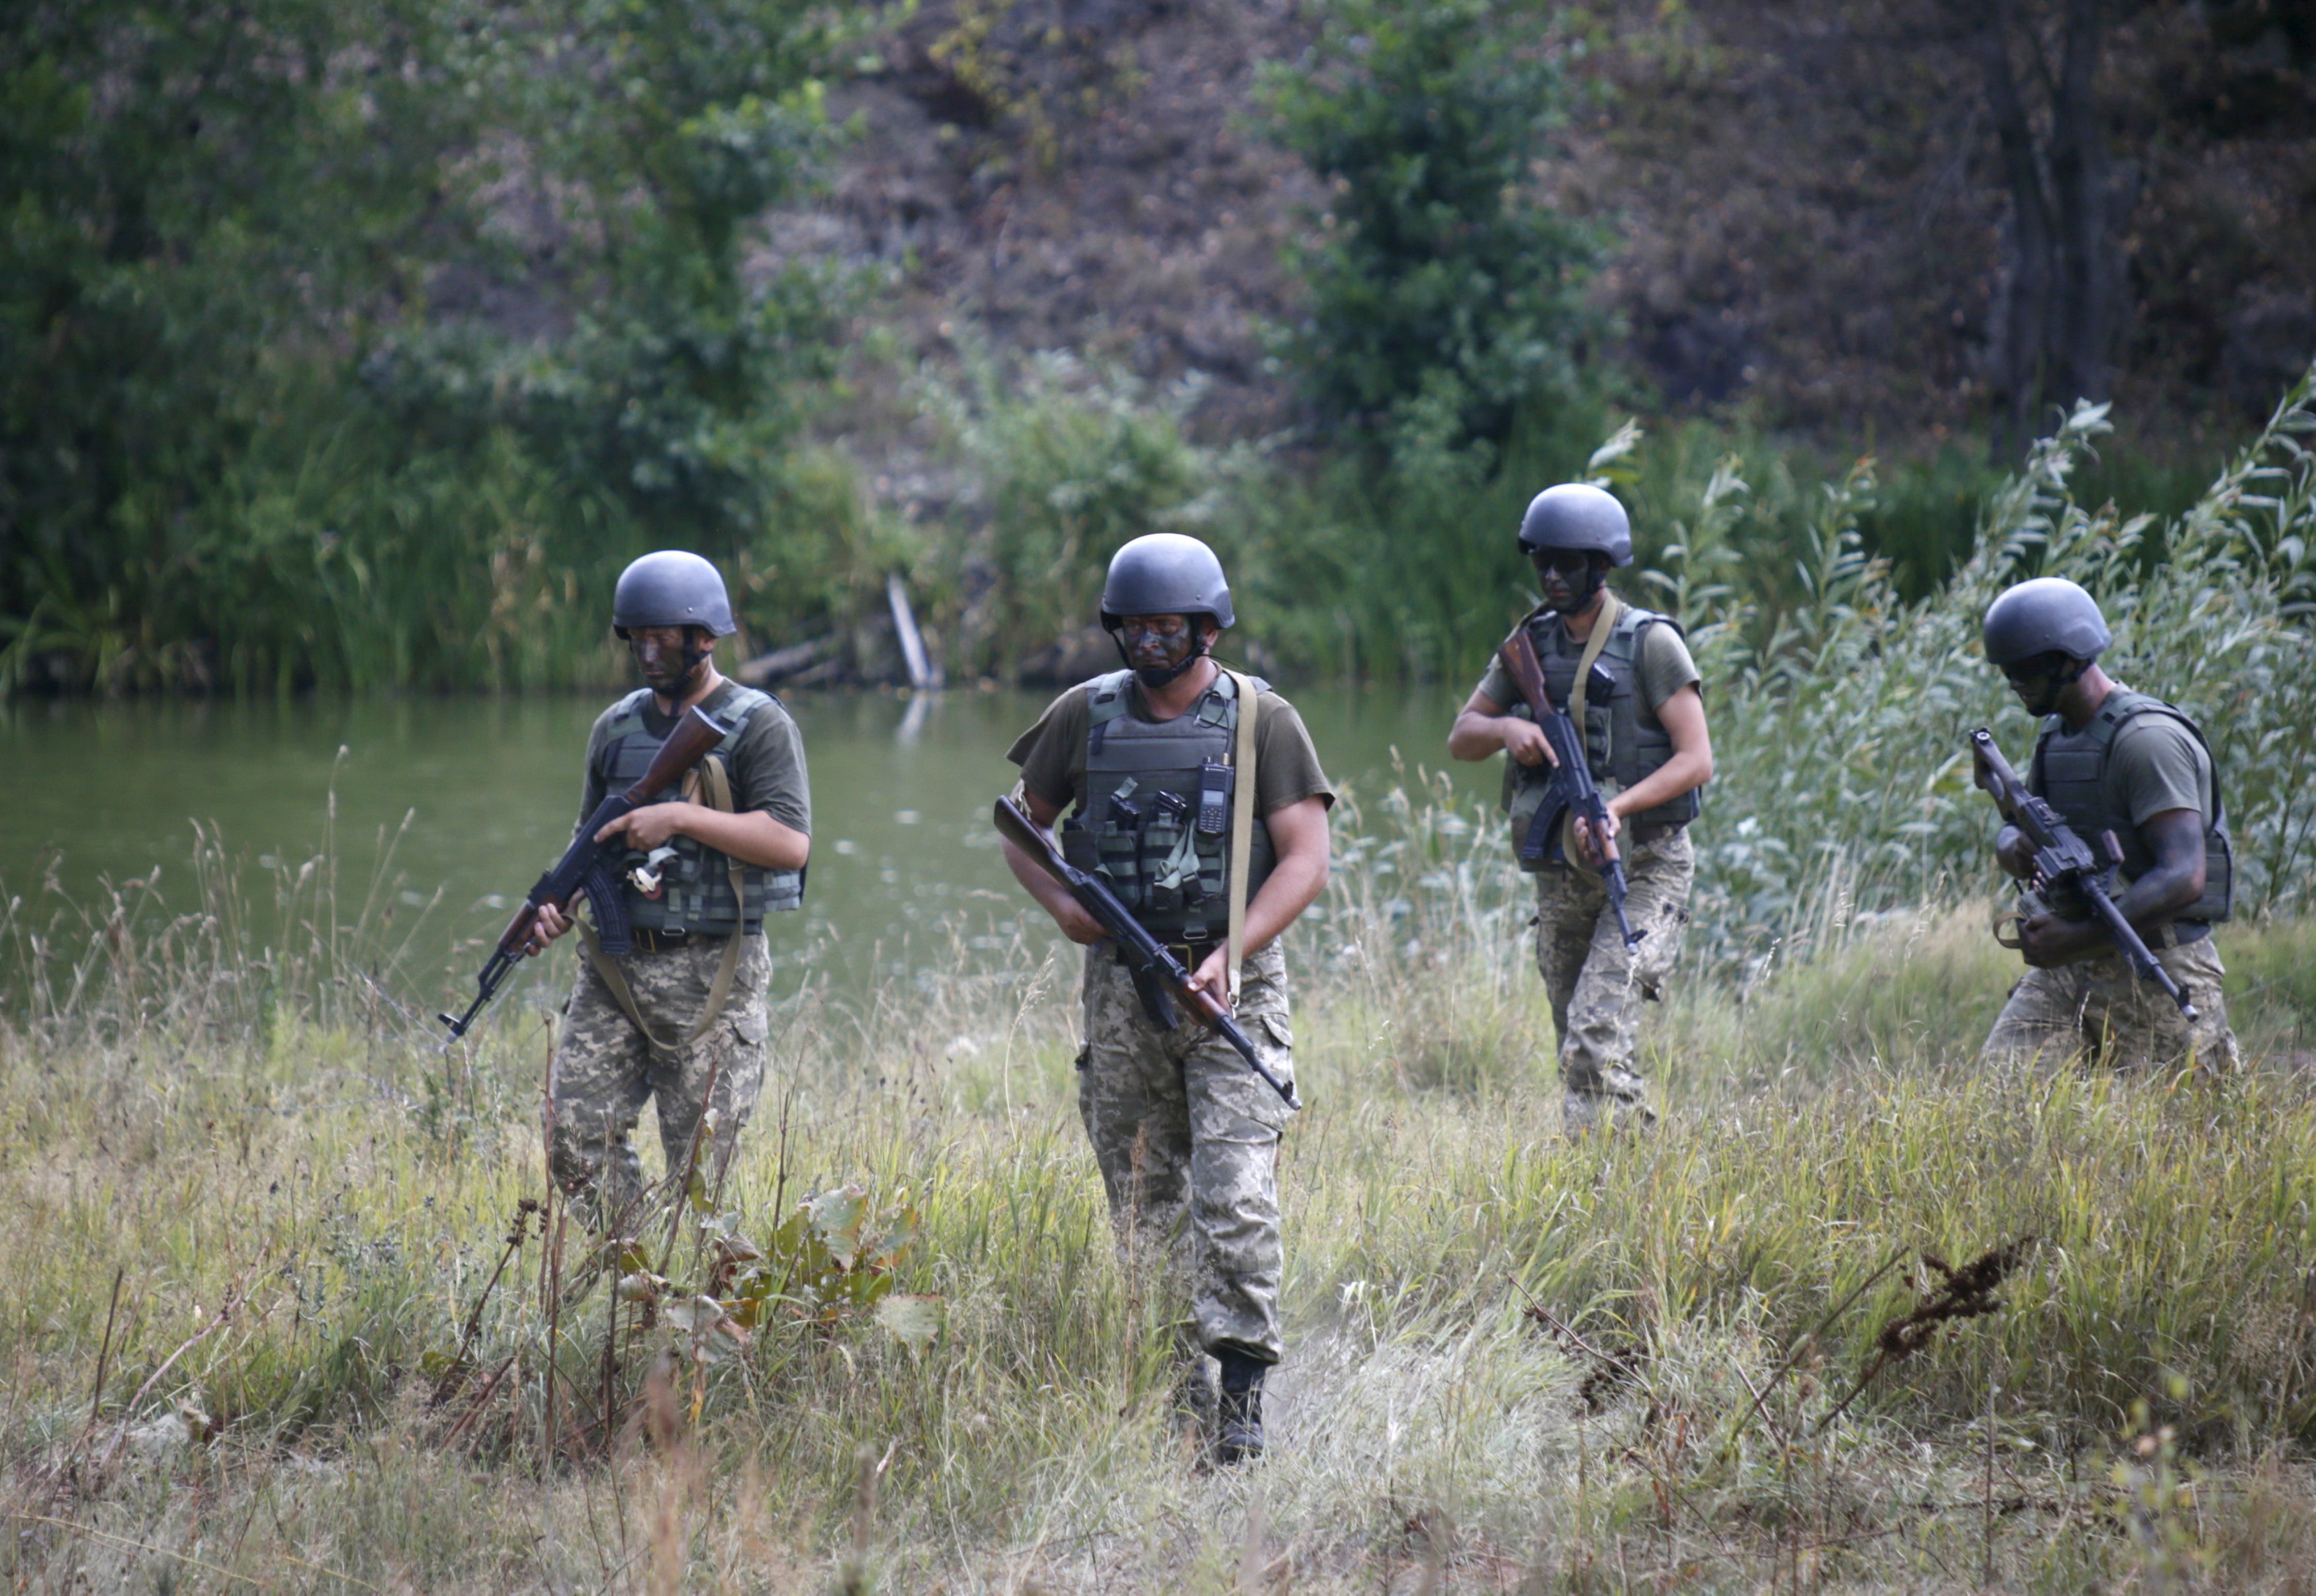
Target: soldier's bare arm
x=1299 y=840
x=1690 y=768
x=2176 y=881
x=750 y=836
x=1481 y=727
x=2149 y=903
x=1052 y=897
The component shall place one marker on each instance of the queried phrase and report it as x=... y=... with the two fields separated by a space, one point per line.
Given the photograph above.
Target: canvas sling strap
x=708 y=784
x=1602 y=625
x=1242 y=839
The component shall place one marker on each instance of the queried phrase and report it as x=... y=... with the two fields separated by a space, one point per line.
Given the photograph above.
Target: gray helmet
x=671 y=588
x=2049 y=615
x=1578 y=515
x=1165 y=574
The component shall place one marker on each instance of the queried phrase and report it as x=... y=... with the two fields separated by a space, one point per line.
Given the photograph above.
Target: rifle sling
x=1242 y=838
x=1598 y=640
x=714 y=789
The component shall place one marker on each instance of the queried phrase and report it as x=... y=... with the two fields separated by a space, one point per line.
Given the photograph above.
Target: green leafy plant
x=1441 y=286
x=829 y=1265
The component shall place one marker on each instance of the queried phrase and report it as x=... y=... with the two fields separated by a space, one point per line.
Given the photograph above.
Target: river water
x=901 y=790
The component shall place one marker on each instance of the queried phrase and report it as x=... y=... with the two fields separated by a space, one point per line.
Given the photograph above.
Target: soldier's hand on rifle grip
x=2046 y=941
x=1213 y=977
x=2014 y=852
x=1602 y=849
x=551 y=923
x=1525 y=742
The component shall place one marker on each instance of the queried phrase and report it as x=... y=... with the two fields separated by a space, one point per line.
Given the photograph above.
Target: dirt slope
x=1805 y=194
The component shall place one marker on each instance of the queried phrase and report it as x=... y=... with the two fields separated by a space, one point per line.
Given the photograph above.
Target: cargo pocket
x=1264 y=1103
x=752 y=1025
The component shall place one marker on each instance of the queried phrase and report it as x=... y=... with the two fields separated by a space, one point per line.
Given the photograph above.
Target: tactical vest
x=1155 y=820
x=2070 y=771
x=696 y=885
x=1624 y=741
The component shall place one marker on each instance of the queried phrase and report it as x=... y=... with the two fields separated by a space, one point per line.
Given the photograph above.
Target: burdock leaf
x=837 y=1216
x=914 y=1319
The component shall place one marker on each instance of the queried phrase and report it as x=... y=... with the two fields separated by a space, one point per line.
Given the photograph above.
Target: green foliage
x=1877 y=809
x=1444 y=296
x=1067 y=461
x=339 y=344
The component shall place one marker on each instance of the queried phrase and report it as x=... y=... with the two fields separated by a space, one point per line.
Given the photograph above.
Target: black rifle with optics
x=1159 y=977
x=586 y=866
x=2065 y=864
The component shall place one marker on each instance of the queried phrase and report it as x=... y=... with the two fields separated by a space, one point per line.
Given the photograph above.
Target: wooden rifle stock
x=695 y=736
x=1159 y=976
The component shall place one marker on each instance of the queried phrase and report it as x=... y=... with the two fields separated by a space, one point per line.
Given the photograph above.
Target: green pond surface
x=94 y=793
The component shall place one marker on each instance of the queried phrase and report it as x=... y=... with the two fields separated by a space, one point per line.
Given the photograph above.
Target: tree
x=1437 y=279
x=2061 y=306
x=358 y=341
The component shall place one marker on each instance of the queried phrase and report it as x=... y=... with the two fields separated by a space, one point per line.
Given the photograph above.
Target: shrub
x=1437 y=281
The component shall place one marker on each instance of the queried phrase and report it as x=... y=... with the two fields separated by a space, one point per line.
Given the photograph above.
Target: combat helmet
x=672 y=587
x=1165 y=574
x=1577 y=515
x=2048 y=615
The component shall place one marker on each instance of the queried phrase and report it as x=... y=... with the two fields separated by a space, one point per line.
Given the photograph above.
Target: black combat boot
x=1238 y=1417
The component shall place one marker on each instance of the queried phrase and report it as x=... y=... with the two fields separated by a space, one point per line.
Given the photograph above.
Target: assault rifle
x=1159 y=977
x=1572 y=786
x=587 y=865
x=2066 y=865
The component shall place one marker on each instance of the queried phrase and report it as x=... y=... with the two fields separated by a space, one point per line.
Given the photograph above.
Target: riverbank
x=272 y=1329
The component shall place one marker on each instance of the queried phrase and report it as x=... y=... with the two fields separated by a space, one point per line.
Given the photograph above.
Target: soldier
x=2110 y=760
x=1648 y=748
x=1186 y=1135
x=682 y=1018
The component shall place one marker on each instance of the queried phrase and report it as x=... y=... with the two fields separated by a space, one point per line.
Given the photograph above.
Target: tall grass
x=1842 y=784
x=327 y=1363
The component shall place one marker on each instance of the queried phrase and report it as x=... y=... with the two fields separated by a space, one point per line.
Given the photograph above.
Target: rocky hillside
x=1807 y=200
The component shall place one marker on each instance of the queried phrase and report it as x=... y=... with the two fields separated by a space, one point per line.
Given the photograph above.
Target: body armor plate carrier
x=1155 y=820
x=1624 y=741
x=696 y=887
x=2070 y=771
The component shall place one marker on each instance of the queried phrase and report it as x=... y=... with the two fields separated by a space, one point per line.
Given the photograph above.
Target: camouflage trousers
x=604 y=1071
x=1186 y=1138
x=1597 y=984
x=2099 y=1008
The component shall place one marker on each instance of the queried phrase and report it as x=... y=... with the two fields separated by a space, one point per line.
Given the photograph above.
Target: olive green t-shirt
x=765 y=763
x=1051 y=753
x=1665 y=666
x=2156 y=764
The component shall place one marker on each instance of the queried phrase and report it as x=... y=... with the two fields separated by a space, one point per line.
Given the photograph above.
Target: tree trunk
x=2060 y=310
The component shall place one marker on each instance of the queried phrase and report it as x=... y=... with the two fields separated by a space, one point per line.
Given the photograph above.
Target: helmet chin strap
x=2055 y=683
x=1595 y=579
x=1154 y=677
x=695 y=654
